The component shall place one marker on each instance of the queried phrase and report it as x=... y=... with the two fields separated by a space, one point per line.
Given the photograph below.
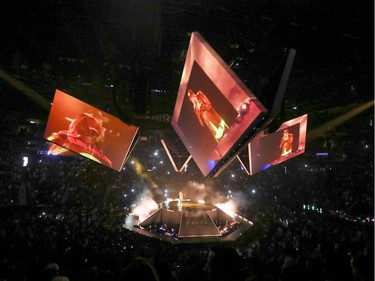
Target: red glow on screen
x=88 y=131
x=288 y=141
x=213 y=107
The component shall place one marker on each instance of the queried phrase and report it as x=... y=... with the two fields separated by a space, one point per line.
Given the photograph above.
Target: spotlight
x=244 y=107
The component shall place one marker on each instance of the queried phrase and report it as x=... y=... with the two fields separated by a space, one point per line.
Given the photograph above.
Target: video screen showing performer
x=85 y=135
x=266 y=150
x=213 y=108
x=88 y=131
x=207 y=115
x=286 y=143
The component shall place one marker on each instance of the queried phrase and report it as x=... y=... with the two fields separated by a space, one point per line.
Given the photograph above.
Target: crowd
x=62 y=219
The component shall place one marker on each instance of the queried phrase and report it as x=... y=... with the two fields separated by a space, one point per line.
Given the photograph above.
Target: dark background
x=83 y=47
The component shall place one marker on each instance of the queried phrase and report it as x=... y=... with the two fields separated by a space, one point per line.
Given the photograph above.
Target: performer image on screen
x=286 y=143
x=207 y=115
x=85 y=136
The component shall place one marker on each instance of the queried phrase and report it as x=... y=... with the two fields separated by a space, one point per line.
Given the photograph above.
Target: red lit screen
x=54 y=149
x=213 y=108
x=287 y=142
x=88 y=131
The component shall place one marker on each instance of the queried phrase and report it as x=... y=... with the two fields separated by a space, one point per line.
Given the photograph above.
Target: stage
x=187 y=221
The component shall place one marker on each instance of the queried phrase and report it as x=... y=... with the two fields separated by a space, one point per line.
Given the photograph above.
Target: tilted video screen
x=213 y=107
x=79 y=127
x=266 y=150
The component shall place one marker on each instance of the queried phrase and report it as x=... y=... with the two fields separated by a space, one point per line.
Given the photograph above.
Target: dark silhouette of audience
x=62 y=219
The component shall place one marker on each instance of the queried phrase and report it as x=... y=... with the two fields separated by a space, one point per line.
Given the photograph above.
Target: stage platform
x=186 y=221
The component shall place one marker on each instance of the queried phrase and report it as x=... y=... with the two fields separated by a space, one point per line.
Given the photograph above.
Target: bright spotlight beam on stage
x=321 y=130
x=140 y=171
x=30 y=93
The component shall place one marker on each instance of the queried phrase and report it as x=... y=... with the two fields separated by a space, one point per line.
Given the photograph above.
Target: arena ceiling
x=127 y=56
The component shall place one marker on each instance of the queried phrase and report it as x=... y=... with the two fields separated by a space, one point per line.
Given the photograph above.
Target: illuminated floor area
x=186 y=221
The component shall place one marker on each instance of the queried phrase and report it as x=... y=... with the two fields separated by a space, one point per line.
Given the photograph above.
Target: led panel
x=214 y=108
x=289 y=141
x=79 y=127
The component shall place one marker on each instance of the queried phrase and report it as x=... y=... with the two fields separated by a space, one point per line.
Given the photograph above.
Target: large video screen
x=213 y=107
x=79 y=127
x=266 y=150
